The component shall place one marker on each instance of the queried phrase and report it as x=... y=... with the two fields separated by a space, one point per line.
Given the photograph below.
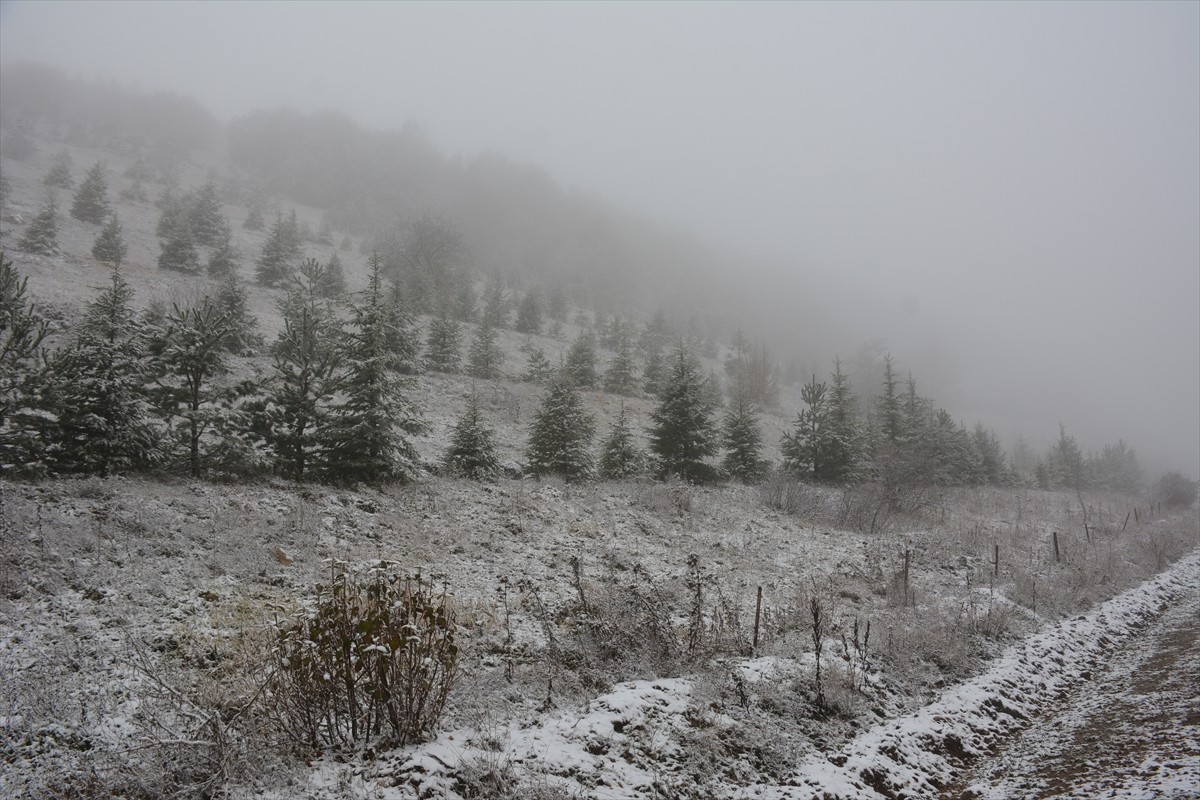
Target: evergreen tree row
x=152 y=391
x=132 y=391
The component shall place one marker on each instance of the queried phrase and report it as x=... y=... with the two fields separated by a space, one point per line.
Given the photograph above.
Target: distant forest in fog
x=516 y=228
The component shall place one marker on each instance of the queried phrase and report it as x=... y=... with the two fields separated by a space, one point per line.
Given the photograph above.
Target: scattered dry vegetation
x=165 y=638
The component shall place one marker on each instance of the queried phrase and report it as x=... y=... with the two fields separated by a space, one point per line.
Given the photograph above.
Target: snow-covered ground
x=1131 y=732
x=921 y=754
x=133 y=610
x=607 y=629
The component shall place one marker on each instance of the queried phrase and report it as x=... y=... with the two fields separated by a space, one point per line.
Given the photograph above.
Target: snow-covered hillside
x=134 y=610
x=620 y=639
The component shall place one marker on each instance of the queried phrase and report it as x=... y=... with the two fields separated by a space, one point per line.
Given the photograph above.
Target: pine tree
x=600 y=327
x=969 y=469
x=243 y=338
x=1041 y=476
x=472 y=450
x=1115 y=467
x=654 y=335
x=652 y=374
x=172 y=210
x=581 y=361
x=325 y=281
x=991 y=455
x=224 y=258
x=109 y=247
x=367 y=438
x=486 y=357
x=91 y=201
x=466 y=307
x=204 y=214
x=620 y=457
x=742 y=439
x=325 y=233
x=806 y=449
x=306 y=360
x=610 y=333
x=560 y=437
x=405 y=338
x=495 y=306
x=334 y=283
x=845 y=454
x=941 y=453
x=529 y=313
x=179 y=250
x=915 y=413
x=59 y=174
x=444 y=344
x=191 y=358
x=22 y=332
x=98 y=385
x=739 y=351
x=891 y=420
x=42 y=234
x=538 y=369
x=280 y=253
x=713 y=393
x=683 y=434
x=619 y=378
x=1065 y=462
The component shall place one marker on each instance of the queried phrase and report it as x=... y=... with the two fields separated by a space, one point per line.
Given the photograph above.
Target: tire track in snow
x=923 y=754
x=1135 y=733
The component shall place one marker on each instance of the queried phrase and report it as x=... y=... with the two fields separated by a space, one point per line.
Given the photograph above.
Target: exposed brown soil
x=1132 y=732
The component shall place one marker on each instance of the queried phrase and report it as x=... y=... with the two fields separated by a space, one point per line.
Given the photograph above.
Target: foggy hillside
x=519 y=225
x=547 y=401
x=1006 y=198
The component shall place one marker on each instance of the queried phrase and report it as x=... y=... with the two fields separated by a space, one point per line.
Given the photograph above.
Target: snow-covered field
x=920 y=754
x=608 y=629
x=1132 y=732
x=134 y=610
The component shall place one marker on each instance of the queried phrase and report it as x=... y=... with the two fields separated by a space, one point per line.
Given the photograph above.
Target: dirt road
x=1132 y=732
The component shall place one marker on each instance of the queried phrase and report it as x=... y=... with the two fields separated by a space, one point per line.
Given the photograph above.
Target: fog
x=1007 y=194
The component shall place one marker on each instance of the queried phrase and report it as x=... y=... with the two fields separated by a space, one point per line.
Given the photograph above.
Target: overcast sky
x=1022 y=178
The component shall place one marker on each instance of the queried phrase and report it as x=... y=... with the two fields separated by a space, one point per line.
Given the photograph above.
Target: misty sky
x=1021 y=179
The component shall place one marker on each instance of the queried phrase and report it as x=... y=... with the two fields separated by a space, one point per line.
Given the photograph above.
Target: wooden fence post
x=907 y=558
x=757 y=617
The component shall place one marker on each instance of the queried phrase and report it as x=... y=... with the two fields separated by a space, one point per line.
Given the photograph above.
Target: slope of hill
x=617 y=639
x=136 y=610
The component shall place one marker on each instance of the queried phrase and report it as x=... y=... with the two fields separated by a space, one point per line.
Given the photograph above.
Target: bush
x=784 y=493
x=1176 y=490
x=374 y=657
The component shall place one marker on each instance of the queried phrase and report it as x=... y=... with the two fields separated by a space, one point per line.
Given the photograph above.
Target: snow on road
x=1135 y=753
x=1133 y=733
